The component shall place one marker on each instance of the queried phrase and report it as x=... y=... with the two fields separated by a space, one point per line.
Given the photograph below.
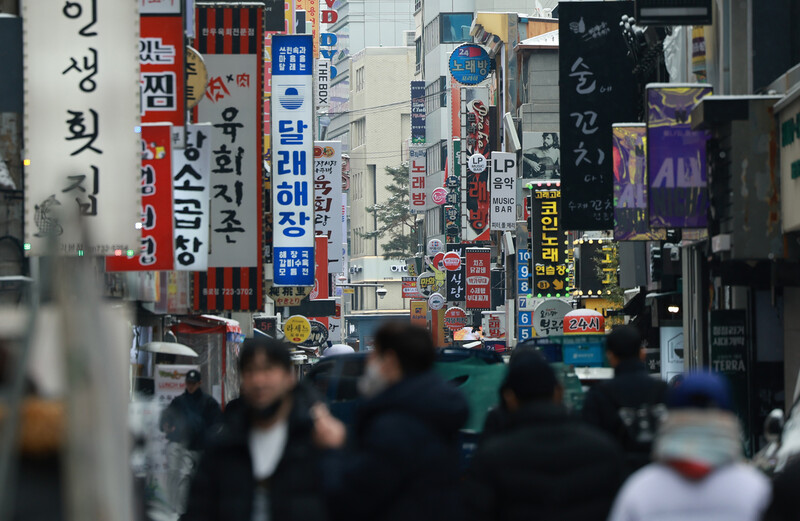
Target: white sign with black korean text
x=328 y=198
x=190 y=190
x=417 y=172
x=503 y=190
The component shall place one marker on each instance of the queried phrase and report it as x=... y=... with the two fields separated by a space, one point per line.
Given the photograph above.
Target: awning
x=206 y=324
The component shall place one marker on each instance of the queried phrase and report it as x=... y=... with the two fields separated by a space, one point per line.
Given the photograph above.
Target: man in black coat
x=263 y=465
x=542 y=464
x=402 y=462
x=631 y=406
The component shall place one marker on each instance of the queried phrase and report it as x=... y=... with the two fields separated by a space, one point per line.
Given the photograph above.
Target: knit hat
x=701 y=390
x=529 y=376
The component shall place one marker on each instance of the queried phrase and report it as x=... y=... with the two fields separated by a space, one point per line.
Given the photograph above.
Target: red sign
x=479 y=278
x=584 y=321
x=439 y=195
x=161 y=59
x=410 y=288
x=452 y=261
x=455 y=319
x=157 y=252
x=477 y=142
x=320 y=290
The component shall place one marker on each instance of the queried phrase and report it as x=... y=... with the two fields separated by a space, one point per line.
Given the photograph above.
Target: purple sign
x=630 y=184
x=676 y=157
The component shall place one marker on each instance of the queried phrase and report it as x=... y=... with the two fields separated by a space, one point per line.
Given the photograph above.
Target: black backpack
x=638 y=421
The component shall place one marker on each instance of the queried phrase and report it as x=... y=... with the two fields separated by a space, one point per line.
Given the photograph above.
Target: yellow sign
x=349 y=291
x=297 y=329
x=419 y=312
x=196 y=77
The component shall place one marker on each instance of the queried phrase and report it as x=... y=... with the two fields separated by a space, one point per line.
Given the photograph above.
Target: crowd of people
x=639 y=450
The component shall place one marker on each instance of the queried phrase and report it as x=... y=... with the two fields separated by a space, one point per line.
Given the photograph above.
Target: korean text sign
x=469 y=64
x=456 y=280
x=292 y=170
x=81 y=81
x=161 y=57
x=417 y=172
x=156 y=251
x=676 y=155
x=503 y=186
x=479 y=282
x=548 y=245
x=328 y=199
x=190 y=184
x=631 y=222
x=597 y=88
x=475 y=140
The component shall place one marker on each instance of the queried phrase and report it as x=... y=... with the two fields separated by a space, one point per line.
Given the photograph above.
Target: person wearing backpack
x=631 y=406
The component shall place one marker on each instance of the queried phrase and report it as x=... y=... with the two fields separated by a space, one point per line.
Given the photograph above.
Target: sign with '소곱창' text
x=190 y=185
x=292 y=160
x=82 y=152
x=156 y=251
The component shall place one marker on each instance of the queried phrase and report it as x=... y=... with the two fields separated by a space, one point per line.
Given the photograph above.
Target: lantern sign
x=470 y=64
x=582 y=321
x=297 y=329
x=455 y=319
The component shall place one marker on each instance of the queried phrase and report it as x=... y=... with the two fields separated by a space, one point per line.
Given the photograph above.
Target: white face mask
x=372 y=382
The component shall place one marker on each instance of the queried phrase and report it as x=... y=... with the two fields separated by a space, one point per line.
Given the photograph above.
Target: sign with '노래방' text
x=417 y=172
x=597 y=88
x=156 y=251
x=292 y=160
x=676 y=156
x=82 y=152
x=232 y=102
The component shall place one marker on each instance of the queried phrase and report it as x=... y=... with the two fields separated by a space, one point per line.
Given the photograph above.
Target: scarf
x=695 y=442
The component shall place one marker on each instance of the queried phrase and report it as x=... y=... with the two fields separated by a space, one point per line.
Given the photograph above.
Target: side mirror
x=773 y=426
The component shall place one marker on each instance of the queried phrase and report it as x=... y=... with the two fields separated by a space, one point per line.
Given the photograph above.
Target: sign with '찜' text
x=328 y=199
x=234 y=59
x=292 y=160
x=676 y=157
x=82 y=153
x=161 y=58
x=190 y=186
x=156 y=252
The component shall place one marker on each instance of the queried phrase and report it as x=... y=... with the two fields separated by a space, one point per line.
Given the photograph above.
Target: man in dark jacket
x=263 y=466
x=542 y=464
x=403 y=460
x=187 y=421
x=631 y=406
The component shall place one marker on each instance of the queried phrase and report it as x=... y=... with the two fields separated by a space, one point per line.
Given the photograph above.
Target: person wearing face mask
x=401 y=460
x=263 y=465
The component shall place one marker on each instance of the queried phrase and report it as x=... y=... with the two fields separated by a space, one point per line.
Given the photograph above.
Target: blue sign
x=417 y=111
x=525 y=319
x=470 y=64
x=524 y=333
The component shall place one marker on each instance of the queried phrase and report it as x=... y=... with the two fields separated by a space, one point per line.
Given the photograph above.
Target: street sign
x=297 y=329
x=455 y=319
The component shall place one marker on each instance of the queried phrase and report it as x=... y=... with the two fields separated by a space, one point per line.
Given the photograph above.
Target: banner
x=328 y=199
x=190 y=186
x=233 y=57
x=162 y=81
x=676 y=157
x=417 y=172
x=475 y=137
x=293 y=148
x=82 y=153
x=417 y=112
x=597 y=88
x=503 y=209
x=479 y=282
x=155 y=253
x=631 y=222
x=548 y=245
x=541 y=156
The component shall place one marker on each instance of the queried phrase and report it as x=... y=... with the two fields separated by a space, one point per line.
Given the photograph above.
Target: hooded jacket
x=544 y=465
x=403 y=459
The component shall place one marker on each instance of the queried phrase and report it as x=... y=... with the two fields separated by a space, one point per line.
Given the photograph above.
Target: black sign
x=274 y=17
x=673 y=12
x=456 y=280
x=418 y=111
x=597 y=89
x=268 y=325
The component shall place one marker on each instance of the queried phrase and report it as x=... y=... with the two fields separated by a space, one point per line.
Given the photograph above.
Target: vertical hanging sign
x=320 y=290
x=475 y=137
x=161 y=58
x=417 y=193
x=456 y=283
x=676 y=157
x=631 y=222
x=190 y=186
x=548 y=245
x=82 y=154
x=503 y=177
x=292 y=162
x=328 y=199
x=417 y=112
x=479 y=282
x=597 y=88
x=156 y=252
x=231 y=42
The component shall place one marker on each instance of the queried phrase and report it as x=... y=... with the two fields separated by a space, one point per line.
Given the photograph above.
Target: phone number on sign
x=227 y=291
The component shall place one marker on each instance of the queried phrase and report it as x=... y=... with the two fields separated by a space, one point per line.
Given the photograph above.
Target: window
x=418 y=56
x=436 y=95
x=360 y=80
x=358 y=132
x=430 y=35
x=417 y=5
x=435 y=156
x=455 y=27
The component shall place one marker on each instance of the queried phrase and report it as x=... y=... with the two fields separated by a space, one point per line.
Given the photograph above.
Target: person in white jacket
x=698 y=473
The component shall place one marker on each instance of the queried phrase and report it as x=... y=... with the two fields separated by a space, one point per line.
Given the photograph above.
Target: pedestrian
x=698 y=473
x=542 y=464
x=402 y=458
x=187 y=421
x=630 y=406
x=263 y=465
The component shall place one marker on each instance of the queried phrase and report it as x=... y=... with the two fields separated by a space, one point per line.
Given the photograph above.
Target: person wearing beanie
x=697 y=473
x=630 y=406
x=541 y=463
